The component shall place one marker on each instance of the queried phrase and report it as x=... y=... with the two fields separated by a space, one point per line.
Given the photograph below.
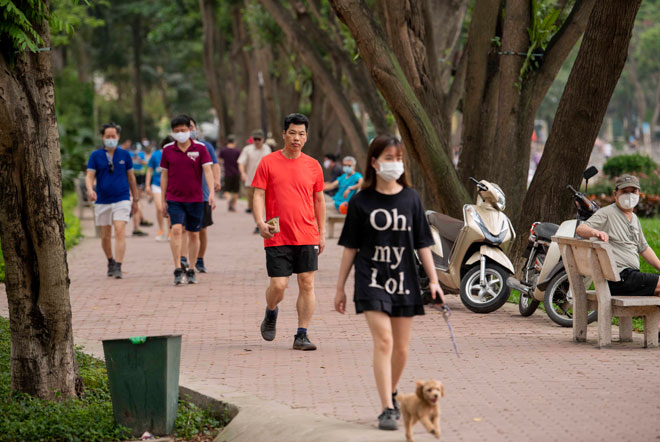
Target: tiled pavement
x=517 y=379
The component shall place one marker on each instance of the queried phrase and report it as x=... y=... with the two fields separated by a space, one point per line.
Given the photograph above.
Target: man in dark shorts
x=229 y=155
x=618 y=225
x=183 y=164
x=289 y=194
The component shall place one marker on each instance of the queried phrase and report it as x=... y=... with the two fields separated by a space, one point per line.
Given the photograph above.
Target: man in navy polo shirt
x=113 y=169
x=183 y=164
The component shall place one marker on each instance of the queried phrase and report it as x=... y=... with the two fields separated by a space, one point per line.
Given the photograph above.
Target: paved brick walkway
x=518 y=378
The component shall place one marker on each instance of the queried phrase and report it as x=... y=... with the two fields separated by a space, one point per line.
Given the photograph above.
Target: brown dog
x=423 y=405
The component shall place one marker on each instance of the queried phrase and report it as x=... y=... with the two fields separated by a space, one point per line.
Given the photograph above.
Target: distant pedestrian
x=248 y=161
x=289 y=194
x=139 y=158
x=347 y=184
x=153 y=188
x=112 y=168
x=384 y=226
x=229 y=155
x=207 y=220
x=183 y=164
x=334 y=169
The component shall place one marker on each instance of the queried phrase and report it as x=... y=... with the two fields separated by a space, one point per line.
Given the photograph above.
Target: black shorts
x=634 y=283
x=140 y=180
x=232 y=184
x=285 y=260
x=207 y=218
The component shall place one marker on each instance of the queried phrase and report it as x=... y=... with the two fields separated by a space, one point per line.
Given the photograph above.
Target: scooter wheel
x=489 y=298
x=558 y=301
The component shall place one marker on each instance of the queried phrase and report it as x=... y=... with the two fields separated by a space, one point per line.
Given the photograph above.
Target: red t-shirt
x=290 y=187
x=185 y=171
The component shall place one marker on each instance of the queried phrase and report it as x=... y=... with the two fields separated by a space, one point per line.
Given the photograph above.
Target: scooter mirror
x=590 y=172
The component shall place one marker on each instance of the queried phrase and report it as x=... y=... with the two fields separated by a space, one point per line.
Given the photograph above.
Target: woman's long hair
x=377 y=146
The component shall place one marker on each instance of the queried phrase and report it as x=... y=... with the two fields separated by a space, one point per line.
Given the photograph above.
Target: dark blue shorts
x=188 y=214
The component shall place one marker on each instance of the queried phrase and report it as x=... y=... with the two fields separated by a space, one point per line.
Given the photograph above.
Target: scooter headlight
x=495 y=240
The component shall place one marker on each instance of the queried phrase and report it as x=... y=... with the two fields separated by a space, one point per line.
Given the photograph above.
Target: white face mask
x=110 y=143
x=326 y=164
x=193 y=134
x=181 y=137
x=390 y=170
x=628 y=200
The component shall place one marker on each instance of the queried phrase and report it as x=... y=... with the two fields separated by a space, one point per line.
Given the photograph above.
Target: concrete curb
x=254 y=419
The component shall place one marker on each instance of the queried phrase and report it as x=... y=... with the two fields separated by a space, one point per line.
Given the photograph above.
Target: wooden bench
x=596 y=260
x=331 y=219
x=83 y=202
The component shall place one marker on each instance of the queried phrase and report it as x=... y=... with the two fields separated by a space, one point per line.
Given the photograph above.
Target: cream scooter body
x=553 y=257
x=485 y=233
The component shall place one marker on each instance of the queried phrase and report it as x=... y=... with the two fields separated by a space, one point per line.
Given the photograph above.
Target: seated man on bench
x=347 y=184
x=618 y=225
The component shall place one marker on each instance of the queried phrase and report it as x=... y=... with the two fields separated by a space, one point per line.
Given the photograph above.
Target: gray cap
x=258 y=133
x=626 y=181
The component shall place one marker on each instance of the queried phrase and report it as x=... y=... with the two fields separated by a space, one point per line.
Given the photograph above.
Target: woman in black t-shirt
x=384 y=225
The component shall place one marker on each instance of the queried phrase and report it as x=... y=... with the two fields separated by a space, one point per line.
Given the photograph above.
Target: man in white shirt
x=248 y=161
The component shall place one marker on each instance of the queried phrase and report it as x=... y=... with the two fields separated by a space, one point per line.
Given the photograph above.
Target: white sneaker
x=160 y=237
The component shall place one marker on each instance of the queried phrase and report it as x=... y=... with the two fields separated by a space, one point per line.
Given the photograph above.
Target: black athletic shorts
x=232 y=184
x=634 y=283
x=285 y=260
x=140 y=180
x=207 y=219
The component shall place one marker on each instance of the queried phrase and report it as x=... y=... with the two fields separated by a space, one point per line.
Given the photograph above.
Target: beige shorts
x=156 y=189
x=105 y=214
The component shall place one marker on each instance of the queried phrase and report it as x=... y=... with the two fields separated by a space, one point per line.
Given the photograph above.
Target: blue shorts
x=188 y=214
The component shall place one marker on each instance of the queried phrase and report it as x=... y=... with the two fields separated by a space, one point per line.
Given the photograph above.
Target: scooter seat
x=447 y=227
x=546 y=230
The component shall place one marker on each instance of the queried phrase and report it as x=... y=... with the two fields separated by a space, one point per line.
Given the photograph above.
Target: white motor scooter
x=468 y=255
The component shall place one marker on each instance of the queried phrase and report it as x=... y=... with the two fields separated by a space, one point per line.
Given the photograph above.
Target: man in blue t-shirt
x=115 y=182
x=346 y=184
x=207 y=219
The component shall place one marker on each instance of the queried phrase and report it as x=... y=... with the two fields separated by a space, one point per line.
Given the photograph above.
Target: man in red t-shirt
x=289 y=186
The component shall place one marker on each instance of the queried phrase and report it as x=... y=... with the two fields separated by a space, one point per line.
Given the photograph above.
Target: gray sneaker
x=190 y=276
x=178 y=276
x=111 y=267
x=387 y=420
x=301 y=342
x=268 y=328
x=117 y=273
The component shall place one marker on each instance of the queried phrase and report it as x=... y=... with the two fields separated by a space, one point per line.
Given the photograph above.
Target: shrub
x=621 y=164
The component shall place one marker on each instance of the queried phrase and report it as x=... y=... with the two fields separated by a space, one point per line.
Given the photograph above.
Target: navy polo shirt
x=111 y=187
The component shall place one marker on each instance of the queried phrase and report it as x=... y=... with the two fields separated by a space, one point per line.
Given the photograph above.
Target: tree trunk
x=580 y=113
x=656 y=107
x=417 y=130
x=322 y=73
x=43 y=362
x=211 y=71
x=137 y=65
x=361 y=83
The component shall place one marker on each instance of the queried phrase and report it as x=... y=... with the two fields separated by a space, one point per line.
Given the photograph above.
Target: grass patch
x=651 y=228
x=72 y=231
x=88 y=418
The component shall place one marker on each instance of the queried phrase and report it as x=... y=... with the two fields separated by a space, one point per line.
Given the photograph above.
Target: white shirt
x=250 y=157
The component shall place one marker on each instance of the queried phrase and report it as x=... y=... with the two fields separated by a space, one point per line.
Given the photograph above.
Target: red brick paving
x=517 y=379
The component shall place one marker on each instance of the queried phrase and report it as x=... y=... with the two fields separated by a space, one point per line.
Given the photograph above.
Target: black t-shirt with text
x=386 y=230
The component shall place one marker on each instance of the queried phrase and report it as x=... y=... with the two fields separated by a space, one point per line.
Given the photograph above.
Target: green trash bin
x=144 y=382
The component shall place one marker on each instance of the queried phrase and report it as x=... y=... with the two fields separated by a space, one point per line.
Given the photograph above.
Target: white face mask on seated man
x=628 y=200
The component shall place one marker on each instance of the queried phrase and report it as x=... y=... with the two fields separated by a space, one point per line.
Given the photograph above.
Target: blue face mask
x=348 y=170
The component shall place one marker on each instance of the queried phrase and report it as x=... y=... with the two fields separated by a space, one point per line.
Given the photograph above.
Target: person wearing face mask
x=112 y=168
x=334 y=169
x=618 y=225
x=248 y=161
x=183 y=164
x=384 y=226
x=346 y=184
